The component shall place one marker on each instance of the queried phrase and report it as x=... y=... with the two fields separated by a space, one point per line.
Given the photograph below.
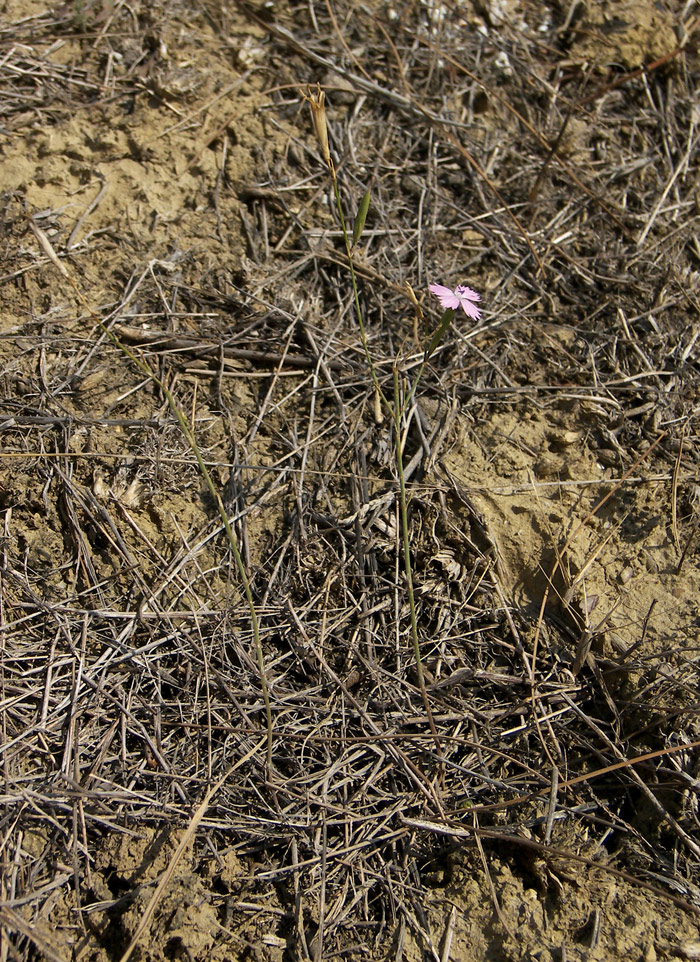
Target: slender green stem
x=414 y=387
x=398 y=411
x=355 y=292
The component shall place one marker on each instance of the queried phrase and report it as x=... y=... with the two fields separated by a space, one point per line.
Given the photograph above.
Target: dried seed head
x=317 y=100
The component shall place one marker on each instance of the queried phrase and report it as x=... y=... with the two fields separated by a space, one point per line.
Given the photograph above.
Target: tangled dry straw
x=129 y=681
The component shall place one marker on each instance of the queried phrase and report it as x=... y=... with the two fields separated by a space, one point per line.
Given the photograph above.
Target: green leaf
x=445 y=322
x=360 y=219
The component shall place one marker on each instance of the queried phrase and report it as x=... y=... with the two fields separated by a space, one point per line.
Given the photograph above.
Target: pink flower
x=461 y=296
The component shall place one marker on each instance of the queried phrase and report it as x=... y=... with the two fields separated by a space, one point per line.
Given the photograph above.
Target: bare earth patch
x=168 y=226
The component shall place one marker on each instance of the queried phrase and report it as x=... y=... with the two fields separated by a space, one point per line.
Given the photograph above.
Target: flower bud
x=317 y=100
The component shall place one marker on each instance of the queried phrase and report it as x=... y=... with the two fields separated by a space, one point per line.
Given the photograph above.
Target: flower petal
x=467 y=292
x=471 y=310
x=447 y=297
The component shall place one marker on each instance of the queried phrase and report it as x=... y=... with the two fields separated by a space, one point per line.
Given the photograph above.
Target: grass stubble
x=386 y=716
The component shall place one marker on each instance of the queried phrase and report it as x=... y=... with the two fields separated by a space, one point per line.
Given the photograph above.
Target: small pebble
x=626 y=575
